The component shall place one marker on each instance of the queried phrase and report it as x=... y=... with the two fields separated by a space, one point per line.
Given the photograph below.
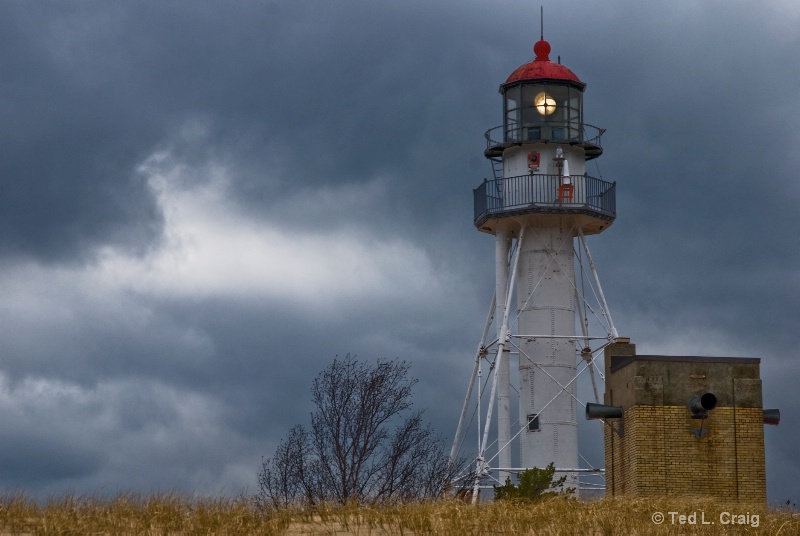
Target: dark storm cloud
x=89 y=92
x=352 y=123
x=69 y=139
x=33 y=460
x=310 y=91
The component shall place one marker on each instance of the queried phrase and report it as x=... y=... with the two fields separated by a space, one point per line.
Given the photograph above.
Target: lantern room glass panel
x=542 y=111
x=574 y=114
x=512 y=118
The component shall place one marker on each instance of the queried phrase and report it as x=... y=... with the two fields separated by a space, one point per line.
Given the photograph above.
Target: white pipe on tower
x=502 y=247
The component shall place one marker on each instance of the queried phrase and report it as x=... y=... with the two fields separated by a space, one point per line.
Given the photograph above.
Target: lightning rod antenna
x=541 y=22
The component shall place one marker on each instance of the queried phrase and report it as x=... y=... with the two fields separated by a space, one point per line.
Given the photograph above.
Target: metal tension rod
x=478 y=354
x=501 y=343
x=603 y=303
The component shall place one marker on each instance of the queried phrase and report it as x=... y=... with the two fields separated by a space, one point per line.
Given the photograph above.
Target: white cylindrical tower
x=541 y=187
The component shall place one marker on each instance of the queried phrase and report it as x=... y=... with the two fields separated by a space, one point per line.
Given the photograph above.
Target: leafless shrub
x=365 y=444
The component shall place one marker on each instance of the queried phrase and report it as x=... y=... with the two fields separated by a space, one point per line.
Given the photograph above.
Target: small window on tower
x=533 y=423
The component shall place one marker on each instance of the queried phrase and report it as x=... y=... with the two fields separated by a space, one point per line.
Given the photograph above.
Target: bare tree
x=360 y=446
x=286 y=478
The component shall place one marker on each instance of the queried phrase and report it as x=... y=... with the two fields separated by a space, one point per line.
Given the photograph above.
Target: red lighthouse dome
x=541 y=68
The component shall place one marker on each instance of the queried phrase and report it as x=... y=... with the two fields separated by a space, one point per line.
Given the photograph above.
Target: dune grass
x=173 y=514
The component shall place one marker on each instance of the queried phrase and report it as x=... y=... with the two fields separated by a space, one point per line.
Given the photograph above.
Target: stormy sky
x=202 y=203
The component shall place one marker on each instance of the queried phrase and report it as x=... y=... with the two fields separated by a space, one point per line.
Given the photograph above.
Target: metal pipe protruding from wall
x=601 y=411
x=772 y=416
x=701 y=405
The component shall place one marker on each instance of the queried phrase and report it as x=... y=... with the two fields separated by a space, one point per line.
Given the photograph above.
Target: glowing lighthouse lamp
x=539 y=206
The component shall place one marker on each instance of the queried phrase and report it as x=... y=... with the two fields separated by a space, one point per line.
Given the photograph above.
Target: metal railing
x=557 y=131
x=540 y=193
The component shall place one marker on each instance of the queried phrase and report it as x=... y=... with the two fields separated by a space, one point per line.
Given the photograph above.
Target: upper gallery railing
x=585 y=135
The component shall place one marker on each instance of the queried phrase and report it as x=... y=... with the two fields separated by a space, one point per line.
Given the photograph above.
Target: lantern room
x=543 y=102
x=542 y=111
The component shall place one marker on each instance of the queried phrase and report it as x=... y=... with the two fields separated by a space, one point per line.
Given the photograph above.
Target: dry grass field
x=176 y=515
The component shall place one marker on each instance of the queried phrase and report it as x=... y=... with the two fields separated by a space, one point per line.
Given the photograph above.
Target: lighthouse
x=539 y=205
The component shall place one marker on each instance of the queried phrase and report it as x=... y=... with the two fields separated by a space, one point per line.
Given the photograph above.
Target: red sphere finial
x=542 y=68
x=542 y=50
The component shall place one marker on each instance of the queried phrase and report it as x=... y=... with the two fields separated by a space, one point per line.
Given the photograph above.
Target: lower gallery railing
x=547 y=192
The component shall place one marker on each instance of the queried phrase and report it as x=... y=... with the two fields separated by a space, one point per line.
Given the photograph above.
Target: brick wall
x=659 y=455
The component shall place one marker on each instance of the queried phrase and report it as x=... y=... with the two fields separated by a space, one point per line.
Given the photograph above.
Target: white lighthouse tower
x=540 y=205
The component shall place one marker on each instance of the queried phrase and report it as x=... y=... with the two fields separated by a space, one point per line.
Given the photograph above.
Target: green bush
x=534 y=485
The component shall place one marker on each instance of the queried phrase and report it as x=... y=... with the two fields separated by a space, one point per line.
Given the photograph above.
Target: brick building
x=657 y=448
